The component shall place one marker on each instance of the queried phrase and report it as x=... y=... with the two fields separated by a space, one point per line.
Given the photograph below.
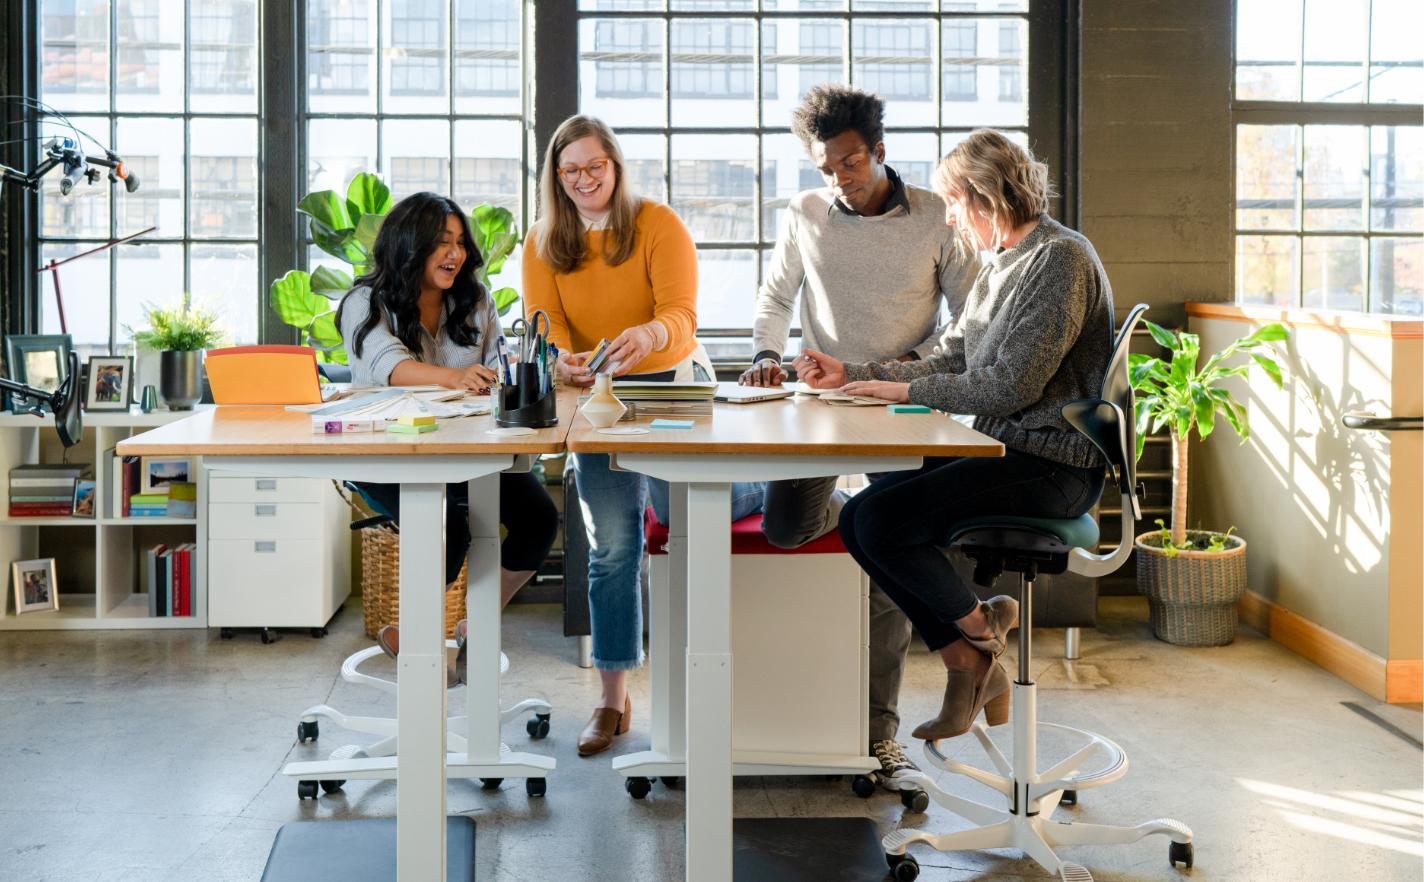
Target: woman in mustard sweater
x=604 y=263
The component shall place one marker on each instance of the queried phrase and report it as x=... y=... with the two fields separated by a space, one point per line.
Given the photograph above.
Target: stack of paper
x=644 y=390
x=388 y=404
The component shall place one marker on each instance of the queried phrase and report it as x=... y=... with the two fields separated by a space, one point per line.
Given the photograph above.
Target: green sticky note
x=400 y=429
x=909 y=408
x=671 y=424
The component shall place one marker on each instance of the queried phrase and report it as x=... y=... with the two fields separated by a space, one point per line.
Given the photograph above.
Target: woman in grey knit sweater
x=1035 y=333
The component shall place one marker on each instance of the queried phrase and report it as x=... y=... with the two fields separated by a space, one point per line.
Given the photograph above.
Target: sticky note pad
x=411 y=420
x=671 y=424
x=401 y=429
x=909 y=408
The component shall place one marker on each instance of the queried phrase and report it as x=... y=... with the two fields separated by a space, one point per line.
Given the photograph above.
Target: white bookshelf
x=99 y=560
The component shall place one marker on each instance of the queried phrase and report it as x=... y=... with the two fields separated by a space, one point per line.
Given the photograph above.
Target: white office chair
x=309 y=728
x=1029 y=546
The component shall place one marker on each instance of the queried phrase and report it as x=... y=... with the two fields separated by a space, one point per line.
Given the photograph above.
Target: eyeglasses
x=596 y=170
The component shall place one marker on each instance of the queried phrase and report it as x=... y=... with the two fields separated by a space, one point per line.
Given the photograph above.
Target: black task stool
x=1030 y=546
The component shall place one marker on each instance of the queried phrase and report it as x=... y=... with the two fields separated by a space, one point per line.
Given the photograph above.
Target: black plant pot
x=180 y=378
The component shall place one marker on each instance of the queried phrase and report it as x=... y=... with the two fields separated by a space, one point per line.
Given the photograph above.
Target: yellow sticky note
x=415 y=420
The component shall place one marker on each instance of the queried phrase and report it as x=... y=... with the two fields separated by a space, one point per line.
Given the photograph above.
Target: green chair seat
x=1079 y=532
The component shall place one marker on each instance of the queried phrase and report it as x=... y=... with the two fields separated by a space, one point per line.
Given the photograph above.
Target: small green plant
x=1204 y=540
x=182 y=328
x=1176 y=394
x=346 y=228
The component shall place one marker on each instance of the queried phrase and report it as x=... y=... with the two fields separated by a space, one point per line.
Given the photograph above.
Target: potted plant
x=1194 y=578
x=345 y=227
x=180 y=335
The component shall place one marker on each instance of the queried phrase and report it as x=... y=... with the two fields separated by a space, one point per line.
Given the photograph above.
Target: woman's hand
x=476 y=378
x=572 y=369
x=895 y=393
x=818 y=370
x=629 y=348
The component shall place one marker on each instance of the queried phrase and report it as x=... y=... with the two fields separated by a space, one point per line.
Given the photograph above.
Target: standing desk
x=791 y=438
x=274 y=441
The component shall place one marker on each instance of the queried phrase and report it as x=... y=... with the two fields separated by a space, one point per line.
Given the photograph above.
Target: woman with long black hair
x=420 y=316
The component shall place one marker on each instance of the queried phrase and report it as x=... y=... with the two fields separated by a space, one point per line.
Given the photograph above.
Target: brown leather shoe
x=964 y=698
x=388 y=638
x=606 y=723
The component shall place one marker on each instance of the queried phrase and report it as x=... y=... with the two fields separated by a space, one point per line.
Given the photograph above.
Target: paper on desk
x=392 y=403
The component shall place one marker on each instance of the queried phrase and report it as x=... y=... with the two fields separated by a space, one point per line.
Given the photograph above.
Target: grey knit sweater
x=1035 y=333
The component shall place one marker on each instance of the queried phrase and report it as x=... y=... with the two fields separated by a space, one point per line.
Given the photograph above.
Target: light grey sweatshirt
x=870 y=287
x=1036 y=333
x=382 y=350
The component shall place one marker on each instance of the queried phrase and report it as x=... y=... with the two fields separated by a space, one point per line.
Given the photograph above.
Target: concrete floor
x=155 y=756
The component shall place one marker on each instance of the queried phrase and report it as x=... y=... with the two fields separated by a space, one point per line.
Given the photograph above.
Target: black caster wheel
x=306 y=790
x=268 y=636
x=537 y=726
x=915 y=800
x=490 y=783
x=1070 y=797
x=536 y=786
x=671 y=782
x=903 y=867
x=331 y=786
x=318 y=633
x=862 y=786
x=1180 y=853
x=225 y=633
x=307 y=731
x=638 y=787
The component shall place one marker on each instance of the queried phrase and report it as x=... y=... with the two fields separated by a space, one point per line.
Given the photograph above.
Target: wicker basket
x=1192 y=595
x=380 y=583
x=380 y=576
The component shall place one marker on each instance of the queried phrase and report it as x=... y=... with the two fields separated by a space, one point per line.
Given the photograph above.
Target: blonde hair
x=559 y=232
x=997 y=177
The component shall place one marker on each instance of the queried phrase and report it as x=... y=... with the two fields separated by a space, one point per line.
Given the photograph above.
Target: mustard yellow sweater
x=598 y=301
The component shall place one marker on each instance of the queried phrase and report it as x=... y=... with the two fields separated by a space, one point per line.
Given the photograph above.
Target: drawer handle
x=264 y=547
x=265 y=483
x=264 y=511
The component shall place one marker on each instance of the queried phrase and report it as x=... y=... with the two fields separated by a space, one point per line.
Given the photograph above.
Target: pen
x=504 y=360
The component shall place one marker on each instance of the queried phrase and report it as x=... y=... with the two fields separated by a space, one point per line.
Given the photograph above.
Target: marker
x=504 y=360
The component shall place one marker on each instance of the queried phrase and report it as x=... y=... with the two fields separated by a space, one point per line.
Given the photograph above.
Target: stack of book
x=654 y=398
x=44 y=490
x=168 y=572
x=147 y=505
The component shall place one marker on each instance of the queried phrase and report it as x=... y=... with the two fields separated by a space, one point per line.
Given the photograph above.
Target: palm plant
x=1175 y=393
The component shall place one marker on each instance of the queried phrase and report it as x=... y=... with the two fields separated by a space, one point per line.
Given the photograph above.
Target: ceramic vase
x=602 y=409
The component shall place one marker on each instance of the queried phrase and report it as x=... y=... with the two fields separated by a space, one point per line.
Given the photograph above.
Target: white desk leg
x=420 y=700
x=483 y=612
x=709 y=684
x=668 y=664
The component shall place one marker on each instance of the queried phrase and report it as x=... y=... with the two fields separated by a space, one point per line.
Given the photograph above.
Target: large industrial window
x=1330 y=154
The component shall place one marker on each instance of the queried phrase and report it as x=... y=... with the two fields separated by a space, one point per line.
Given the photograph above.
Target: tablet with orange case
x=264 y=375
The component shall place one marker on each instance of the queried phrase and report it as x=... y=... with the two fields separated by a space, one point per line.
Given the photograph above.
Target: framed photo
x=110 y=383
x=39 y=360
x=83 y=498
x=157 y=472
x=35 y=585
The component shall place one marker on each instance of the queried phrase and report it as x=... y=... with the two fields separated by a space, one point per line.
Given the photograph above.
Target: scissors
x=529 y=332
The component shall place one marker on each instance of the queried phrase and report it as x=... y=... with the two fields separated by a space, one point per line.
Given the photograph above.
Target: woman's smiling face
x=446 y=261
x=588 y=175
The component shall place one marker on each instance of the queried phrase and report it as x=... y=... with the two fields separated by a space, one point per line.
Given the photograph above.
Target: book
x=150 y=570
x=161 y=581
x=647 y=390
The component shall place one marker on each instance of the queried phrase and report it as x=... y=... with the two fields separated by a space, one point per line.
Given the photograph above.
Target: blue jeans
x=613 y=504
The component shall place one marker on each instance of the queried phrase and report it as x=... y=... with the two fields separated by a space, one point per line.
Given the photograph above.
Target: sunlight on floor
x=1392 y=820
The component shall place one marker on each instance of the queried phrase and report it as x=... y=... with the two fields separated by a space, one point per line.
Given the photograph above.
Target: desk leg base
x=653 y=764
x=806 y=850
x=358 y=851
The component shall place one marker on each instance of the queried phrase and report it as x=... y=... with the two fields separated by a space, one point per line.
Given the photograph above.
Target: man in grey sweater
x=874 y=265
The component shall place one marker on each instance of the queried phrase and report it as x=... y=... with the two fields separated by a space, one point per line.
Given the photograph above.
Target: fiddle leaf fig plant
x=1175 y=393
x=346 y=227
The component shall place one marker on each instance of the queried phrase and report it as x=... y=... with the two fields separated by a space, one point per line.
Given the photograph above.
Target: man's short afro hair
x=830 y=109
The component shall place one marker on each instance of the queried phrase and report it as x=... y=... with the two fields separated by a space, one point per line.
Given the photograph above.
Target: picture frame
x=84 y=498
x=36 y=585
x=157 y=472
x=109 y=385
x=39 y=360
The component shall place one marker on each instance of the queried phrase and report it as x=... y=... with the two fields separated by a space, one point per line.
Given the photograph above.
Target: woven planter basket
x=380 y=583
x=1192 y=596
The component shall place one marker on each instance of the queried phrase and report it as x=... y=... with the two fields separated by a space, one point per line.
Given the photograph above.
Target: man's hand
x=819 y=371
x=895 y=393
x=767 y=372
x=572 y=369
x=629 y=348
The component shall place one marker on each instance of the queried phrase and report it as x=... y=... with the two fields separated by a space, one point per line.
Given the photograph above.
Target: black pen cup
x=511 y=409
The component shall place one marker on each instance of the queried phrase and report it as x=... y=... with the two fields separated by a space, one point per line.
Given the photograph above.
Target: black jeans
x=525 y=509
x=896 y=527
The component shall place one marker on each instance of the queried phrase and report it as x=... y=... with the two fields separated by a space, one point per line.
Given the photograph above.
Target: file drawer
x=232 y=488
x=265 y=583
x=266 y=520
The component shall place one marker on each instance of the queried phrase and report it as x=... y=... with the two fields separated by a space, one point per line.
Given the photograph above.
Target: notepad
x=401 y=429
x=671 y=424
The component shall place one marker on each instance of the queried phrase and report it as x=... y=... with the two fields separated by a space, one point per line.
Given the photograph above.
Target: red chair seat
x=747 y=538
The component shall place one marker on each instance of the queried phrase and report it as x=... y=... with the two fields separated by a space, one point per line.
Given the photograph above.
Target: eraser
x=909 y=408
x=324 y=426
x=358 y=426
x=399 y=429
x=671 y=424
x=411 y=420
